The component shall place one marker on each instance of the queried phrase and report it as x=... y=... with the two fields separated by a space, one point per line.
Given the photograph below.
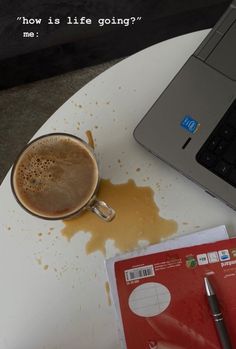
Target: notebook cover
x=162 y=297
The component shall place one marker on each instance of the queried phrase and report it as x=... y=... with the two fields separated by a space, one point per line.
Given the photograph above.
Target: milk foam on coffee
x=55 y=176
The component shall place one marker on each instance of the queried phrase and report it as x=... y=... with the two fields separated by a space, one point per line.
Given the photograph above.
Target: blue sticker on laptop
x=190 y=124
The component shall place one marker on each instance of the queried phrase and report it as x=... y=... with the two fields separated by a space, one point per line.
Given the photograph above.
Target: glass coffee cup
x=56 y=176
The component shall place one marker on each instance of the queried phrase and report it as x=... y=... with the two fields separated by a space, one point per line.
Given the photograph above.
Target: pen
x=217 y=315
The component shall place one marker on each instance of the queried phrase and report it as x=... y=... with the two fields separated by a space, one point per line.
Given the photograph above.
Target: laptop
x=192 y=125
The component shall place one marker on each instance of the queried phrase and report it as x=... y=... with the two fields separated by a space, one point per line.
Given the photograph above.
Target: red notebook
x=162 y=297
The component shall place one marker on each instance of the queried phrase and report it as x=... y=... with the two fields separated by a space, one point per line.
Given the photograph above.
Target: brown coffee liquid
x=137 y=218
x=55 y=176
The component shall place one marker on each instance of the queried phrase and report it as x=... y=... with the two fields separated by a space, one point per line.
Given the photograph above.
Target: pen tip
x=208 y=287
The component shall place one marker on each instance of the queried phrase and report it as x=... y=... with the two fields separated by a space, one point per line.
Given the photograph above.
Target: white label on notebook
x=139 y=273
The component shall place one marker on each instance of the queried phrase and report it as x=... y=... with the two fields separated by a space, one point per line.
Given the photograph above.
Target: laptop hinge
x=217 y=33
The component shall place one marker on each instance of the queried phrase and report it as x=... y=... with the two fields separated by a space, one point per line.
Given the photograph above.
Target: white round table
x=66 y=306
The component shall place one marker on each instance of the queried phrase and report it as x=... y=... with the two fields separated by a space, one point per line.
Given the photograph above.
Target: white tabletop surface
x=69 y=310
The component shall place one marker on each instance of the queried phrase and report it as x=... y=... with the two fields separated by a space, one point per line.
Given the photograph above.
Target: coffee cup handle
x=102 y=210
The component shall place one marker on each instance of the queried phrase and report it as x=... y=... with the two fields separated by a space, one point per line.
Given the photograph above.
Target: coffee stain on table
x=137 y=218
x=39 y=261
x=90 y=139
x=107 y=288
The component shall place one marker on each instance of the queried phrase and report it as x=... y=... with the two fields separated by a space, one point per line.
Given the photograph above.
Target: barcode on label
x=139 y=273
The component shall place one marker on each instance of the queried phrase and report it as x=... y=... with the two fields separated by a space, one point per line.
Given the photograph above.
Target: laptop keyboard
x=218 y=153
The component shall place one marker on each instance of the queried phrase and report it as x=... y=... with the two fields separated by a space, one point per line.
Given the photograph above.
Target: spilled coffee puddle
x=137 y=218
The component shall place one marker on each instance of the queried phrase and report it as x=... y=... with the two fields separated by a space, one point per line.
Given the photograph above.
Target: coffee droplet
x=137 y=218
